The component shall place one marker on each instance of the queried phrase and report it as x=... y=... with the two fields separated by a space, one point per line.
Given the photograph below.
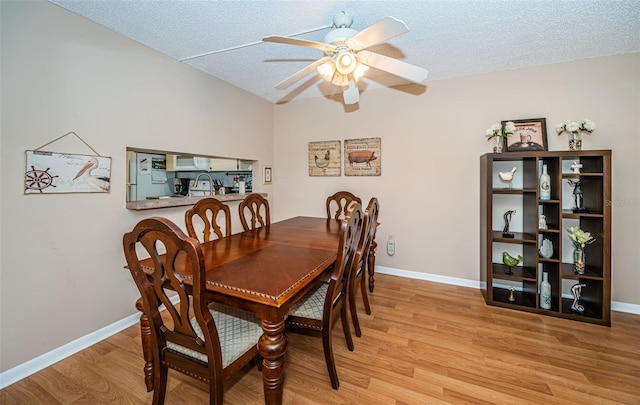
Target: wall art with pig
x=362 y=157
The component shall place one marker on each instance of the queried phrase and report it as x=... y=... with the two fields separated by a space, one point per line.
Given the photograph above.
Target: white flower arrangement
x=573 y=127
x=580 y=237
x=497 y=130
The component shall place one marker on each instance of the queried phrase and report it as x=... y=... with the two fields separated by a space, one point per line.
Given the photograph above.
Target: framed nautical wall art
x=50 y=173
x=324 y=158
x=362 y=157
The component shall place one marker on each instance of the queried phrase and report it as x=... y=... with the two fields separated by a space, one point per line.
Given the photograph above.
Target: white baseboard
x=428 y=277
x=625 y=307
x=33 y=366
x=41 y=362
x=615 y=305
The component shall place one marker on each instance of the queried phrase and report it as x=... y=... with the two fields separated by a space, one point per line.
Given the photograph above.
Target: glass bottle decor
x=545 y=184
x=499 y=144
x=575 y=141
x=578 y=258
x=545 y=291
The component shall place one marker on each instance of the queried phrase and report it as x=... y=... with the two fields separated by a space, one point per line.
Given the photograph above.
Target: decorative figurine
x=576 y=290
x=507 y=177
x=511 y=297
x=576 y=167
x=507 y=220
x=542 y=222
x=510 y=262
x=578 y=196
x=546 y=250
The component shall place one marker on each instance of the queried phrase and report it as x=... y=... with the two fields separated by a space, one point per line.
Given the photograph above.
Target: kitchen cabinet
x=245 y=165
x=177 y=163
x=518 y=287
x=222 y=164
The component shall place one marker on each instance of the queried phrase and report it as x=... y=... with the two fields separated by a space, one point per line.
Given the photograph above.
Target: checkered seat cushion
x=238 y=330
x=312 y=304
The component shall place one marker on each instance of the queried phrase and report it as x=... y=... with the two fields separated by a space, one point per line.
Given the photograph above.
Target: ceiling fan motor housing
x=342 y=20
x=338 y=36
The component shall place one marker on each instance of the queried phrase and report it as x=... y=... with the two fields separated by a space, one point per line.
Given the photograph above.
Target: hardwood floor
x=425 y=343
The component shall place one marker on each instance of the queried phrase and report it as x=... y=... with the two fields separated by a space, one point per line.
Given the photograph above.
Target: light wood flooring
x=425 y=343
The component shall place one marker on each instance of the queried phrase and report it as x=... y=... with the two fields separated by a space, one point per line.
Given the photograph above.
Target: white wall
x=431 y=147
x=61 y=257
x=62 y=261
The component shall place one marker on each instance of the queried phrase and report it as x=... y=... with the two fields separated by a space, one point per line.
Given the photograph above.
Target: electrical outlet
x=391 y=246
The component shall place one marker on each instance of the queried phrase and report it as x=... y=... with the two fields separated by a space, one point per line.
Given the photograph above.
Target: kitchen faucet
x=210 y=182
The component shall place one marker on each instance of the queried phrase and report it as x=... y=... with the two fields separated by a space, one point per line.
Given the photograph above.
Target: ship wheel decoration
x=38 y=179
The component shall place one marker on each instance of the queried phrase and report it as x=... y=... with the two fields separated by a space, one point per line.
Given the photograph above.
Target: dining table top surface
x=269 y=265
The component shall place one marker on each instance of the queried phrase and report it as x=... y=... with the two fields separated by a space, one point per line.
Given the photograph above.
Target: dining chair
x=316 y=312
x=364 y=259
x=208 y=212
x=338 y=203
x=206 y=341
x=257 y=207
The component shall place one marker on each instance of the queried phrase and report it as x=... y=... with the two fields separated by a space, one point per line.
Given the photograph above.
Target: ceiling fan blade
x=301 y=73
x=397 y=67
x=377 y=33
x=300 y=42
x=350 y=93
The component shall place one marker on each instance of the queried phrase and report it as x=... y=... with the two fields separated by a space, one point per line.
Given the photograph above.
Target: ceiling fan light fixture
x=346 y=62
x=327 y=70
x=340 y=80
x=359 y=71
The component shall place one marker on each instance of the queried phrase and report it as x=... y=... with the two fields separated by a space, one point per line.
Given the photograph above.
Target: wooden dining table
x=263 y=271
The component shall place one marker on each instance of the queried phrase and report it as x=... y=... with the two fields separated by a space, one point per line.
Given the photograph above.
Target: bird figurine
x=507 y=177
x=98 y=183
x=510 y=261
x=322 y=163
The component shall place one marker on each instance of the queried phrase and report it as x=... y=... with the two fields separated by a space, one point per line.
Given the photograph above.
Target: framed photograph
x=530 y=134
x=267 y=174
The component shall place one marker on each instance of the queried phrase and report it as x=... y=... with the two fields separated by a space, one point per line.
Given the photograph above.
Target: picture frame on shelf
x=530 y=135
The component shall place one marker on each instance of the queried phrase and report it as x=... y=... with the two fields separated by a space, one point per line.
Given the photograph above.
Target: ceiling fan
x=346 y=59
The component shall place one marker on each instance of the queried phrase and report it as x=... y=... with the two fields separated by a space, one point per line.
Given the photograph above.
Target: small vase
x=499 y=144
x=578 y=259
x=575 y=141
x=545 y=292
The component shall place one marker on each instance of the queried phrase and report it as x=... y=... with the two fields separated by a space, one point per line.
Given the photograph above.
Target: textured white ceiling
x=449 y=38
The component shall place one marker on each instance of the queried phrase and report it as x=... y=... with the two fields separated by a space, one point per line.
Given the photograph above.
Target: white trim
x=33 y=366
x=41 y=362
x=615 y=305
x=625 y=307
x=428 y=277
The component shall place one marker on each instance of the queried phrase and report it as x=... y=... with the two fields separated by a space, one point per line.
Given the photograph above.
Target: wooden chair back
x=176 y=344
x=362 y=261
x=373 y=208
x=305 y=316
x=338 y=203
x=208 y=213
x=256 y=208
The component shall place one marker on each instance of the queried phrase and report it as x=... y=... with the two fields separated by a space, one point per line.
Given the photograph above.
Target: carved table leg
x=272 y=347
x=371 y=265
x=147 y=353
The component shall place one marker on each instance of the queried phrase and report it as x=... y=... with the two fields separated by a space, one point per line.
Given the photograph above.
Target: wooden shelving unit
x=522 y=195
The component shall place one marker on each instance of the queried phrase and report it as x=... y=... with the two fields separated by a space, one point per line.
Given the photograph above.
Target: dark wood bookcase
x=522 y=195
